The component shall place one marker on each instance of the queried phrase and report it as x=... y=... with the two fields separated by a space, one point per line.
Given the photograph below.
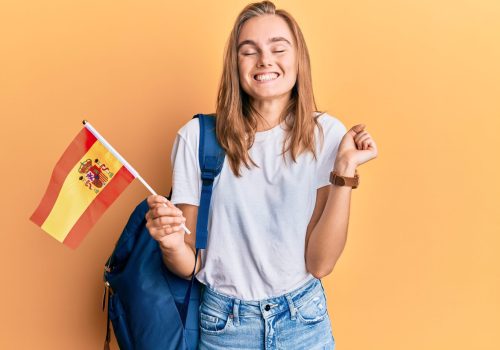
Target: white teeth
x=270 y=76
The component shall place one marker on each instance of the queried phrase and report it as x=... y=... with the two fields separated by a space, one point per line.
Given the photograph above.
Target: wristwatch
x=340 y=180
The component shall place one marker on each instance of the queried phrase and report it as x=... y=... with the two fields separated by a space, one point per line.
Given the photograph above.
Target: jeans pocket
x=314 y=309
x=213 y=321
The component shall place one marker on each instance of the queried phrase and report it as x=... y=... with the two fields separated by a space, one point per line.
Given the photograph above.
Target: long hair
x=236 y=119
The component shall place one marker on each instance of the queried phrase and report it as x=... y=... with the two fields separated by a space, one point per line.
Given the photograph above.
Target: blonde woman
x=277 y=225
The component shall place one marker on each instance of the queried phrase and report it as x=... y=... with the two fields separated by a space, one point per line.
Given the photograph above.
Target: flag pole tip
x=84 y=122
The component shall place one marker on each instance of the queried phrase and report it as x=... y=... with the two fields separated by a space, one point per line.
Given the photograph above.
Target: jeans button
x=267 y=307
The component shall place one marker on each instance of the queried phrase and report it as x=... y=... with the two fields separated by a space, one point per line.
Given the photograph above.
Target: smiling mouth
x=266 y=77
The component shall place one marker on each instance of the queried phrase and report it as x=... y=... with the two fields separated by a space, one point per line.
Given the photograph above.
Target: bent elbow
x=320 y=273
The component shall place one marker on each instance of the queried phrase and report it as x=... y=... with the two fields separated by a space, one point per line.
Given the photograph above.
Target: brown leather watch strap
x=340 y=180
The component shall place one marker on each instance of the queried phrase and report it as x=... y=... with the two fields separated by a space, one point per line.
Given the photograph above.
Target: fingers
x=363 y=140
x=357 y=128
x=167 y=220
x=160 y=215
x=164 y=225
x=163 y=217
x=156 y=200
x=159 y=233
x=360 y=135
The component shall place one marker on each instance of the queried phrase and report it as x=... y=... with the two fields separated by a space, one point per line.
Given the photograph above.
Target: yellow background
x=421 y=266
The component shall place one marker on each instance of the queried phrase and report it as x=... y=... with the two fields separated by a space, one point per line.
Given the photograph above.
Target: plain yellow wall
x=421 y=266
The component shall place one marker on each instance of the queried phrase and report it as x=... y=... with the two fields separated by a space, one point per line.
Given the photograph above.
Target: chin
x=269 y=96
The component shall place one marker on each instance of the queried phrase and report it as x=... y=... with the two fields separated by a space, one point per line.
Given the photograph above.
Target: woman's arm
x=180 y=260
x=327 y=234
x=327 y=231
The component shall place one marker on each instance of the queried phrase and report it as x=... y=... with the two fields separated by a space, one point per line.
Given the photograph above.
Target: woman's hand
x=356 y=147
x=164 y=223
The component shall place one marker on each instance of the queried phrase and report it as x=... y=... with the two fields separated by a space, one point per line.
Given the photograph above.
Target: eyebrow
x=270 y=40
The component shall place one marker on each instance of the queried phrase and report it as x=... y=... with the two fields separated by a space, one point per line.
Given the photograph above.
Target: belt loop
x=236 y=306
x=291 y=305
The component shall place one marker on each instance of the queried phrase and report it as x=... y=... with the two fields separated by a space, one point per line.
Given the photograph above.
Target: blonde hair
x=236 y=119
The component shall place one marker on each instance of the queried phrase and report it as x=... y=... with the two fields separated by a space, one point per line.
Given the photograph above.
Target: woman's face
x=267 y=59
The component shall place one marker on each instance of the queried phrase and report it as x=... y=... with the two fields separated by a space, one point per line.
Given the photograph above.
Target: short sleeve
x=334 y=130
x=186 y=179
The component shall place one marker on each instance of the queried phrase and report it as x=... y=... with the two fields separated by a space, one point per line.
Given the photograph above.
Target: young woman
x=277 y=225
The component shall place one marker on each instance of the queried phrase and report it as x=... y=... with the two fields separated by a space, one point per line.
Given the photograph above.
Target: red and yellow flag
x=85 y=182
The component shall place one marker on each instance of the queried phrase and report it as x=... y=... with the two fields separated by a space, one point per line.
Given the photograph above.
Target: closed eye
x=253 y=53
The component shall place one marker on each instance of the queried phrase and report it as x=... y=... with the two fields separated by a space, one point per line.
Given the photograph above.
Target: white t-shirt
x=257 y=223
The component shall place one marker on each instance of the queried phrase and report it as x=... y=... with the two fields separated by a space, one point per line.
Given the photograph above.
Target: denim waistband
x=261 y=308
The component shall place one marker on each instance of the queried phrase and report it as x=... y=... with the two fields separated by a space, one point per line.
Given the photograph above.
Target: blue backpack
x=150 y=307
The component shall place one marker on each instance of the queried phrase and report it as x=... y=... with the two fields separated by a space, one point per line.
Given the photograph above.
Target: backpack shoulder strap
x=211 y=158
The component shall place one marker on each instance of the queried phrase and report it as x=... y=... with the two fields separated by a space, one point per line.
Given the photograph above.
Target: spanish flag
x=86 y=180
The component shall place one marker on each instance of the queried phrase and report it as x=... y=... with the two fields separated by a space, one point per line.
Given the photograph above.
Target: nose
x=264 y=60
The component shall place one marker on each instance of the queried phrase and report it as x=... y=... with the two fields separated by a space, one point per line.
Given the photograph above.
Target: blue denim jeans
x=295 y=320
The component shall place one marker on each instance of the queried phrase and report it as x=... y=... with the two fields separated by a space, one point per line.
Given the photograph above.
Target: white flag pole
x=124 y=162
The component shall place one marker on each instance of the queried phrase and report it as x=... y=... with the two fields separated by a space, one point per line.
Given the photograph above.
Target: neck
x=270 y=110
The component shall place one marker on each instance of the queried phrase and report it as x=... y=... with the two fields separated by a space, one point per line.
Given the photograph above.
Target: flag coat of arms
x=86 y=180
